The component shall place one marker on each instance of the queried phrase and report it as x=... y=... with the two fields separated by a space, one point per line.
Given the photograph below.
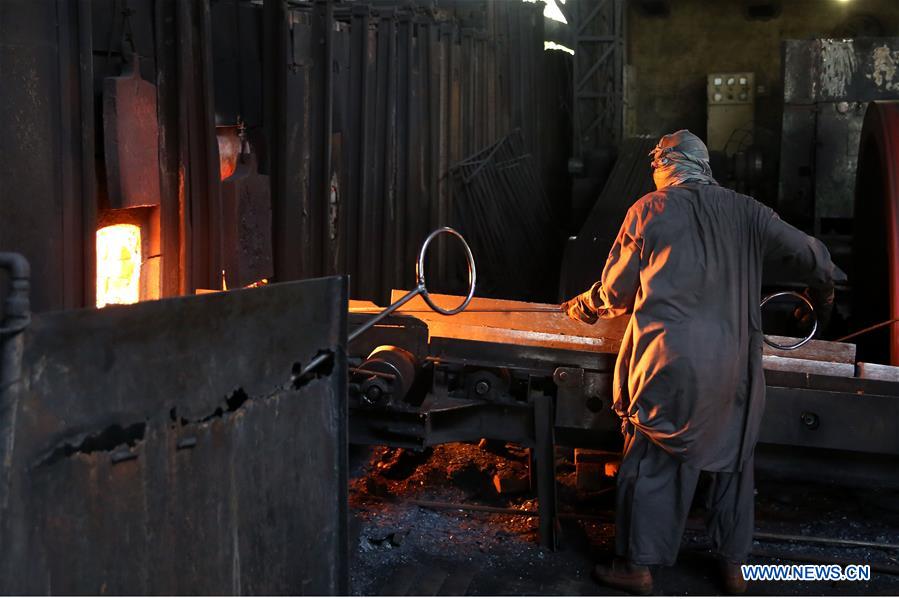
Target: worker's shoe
x=732 y=577
x=625 y=576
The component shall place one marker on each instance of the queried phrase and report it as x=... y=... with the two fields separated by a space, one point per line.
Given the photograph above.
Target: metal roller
x=397 y=364
x=421 y=288
x=875 y=269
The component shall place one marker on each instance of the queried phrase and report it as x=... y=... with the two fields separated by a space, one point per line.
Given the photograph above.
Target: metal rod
x=387 y=312
x=389 y=377
x=865 y=330
x=771 y=536
x=420 y=289
x=552 y=310
x=441 y=505
x=604 y=517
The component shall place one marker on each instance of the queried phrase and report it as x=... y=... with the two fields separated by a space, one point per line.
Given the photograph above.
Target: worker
x=688 y=383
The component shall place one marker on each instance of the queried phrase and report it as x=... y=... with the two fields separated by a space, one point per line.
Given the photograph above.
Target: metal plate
x=162 y=448
x=131 y=136
x=247 y=225
x=831 y=420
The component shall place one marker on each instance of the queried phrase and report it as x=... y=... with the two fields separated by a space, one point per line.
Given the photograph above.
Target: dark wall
x=46 y=128
x=671 y=55
x=361 y=152
x=357 y=113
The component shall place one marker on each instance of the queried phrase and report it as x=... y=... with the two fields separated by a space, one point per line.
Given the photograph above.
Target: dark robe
x=688 y=264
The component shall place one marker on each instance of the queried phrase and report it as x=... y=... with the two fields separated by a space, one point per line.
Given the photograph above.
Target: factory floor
x=401 y=548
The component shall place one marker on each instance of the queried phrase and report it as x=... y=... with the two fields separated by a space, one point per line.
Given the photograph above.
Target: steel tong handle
x=421 y=286
x=420 y=289
x=808 y=303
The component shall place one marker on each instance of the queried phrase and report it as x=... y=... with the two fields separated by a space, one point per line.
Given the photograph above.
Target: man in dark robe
x=689 y=386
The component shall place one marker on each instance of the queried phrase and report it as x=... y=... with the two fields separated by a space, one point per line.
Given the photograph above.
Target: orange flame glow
x=118 y=265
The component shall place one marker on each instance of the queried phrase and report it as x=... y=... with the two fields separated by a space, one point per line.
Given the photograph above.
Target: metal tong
x=808 y=303
x=420 y=289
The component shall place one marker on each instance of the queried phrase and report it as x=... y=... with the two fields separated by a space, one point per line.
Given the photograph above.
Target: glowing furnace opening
x=118 y=265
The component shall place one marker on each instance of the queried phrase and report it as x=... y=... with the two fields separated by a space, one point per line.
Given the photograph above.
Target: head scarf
x=679 y=158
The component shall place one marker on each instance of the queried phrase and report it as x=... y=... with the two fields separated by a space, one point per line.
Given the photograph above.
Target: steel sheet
x=163 y=448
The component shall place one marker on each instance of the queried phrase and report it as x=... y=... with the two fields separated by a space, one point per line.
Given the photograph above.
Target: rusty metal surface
x=164 y=448
x=543 y=329
x=359 y=149
x=828 y=84
x=515 y=323
x=131 y=135
x=47 y=195
x=247 y=225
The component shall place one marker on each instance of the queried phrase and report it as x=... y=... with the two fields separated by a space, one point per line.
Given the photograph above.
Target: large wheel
x=875 y=269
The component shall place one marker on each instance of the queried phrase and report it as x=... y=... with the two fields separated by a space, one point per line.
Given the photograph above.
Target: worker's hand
x=576 y=311
x=823 y=303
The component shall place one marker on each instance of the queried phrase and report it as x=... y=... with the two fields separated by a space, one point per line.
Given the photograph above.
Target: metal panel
x=378 y=100
x=831 y=420
x=164 y=448
x=831 y=70
x=797 y=164
x=246 y=225
x=839 y=127
x=827 y=86
x=131 y=134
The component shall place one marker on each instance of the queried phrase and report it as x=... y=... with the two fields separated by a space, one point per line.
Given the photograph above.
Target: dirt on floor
x=404 y=545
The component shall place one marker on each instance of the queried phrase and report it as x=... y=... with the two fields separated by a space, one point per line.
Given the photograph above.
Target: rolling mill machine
x=421 y=374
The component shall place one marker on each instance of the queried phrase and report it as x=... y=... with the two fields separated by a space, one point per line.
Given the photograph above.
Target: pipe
x=442 y=505
x=12 y=345
x=16 y=308
x=771 y=536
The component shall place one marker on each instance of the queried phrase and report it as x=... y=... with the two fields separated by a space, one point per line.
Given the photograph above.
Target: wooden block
x=594 y=467
x=808 y=366
x=497 y=321
x=821 y=351
x=880 y=372
x=510 y=482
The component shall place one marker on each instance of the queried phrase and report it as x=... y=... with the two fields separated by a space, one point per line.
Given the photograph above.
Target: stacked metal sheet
x=512 y=227
x=376 y=102
x=630 y=179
